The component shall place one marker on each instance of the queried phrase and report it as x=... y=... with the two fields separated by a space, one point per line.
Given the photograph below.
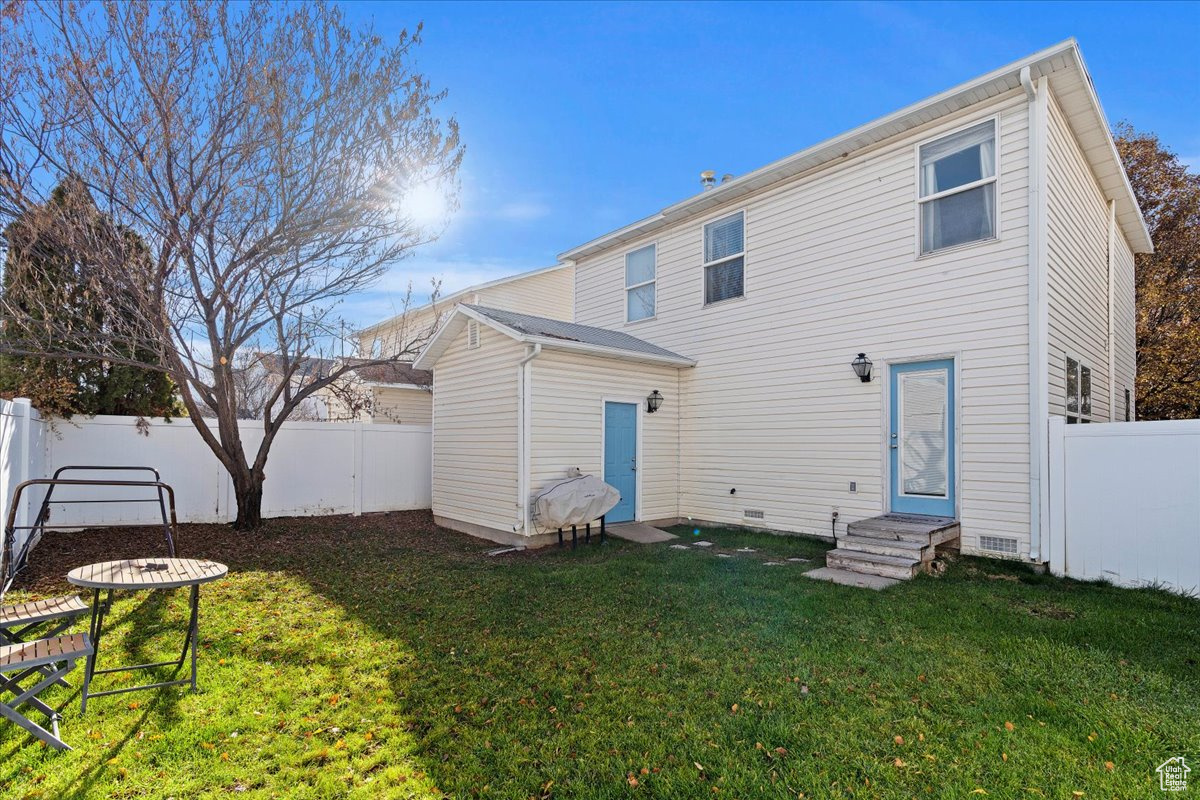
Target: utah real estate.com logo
x=1173 y=774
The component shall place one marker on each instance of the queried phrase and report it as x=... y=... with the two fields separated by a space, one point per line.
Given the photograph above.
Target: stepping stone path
x=702 y=543
x=747 y=550
x=724 y=555
x=772 y=563
x=680 y=547
x=800 y=560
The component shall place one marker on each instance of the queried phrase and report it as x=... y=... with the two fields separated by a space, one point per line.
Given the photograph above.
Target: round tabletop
x=147 y=573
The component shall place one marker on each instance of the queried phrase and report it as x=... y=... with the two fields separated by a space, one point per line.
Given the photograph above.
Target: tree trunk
x=248 y=490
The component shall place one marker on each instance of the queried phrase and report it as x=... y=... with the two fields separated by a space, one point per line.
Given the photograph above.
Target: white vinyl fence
x=1125 y=503
x=315 y=468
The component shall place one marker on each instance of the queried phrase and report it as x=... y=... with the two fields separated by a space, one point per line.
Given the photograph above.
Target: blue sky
x=582 y=117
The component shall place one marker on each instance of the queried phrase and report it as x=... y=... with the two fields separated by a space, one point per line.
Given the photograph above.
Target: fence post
x=357 y=485
x=22 y=411
x=1058 y=495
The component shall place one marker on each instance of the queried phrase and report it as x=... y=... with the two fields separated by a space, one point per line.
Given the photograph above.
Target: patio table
x=140 y=574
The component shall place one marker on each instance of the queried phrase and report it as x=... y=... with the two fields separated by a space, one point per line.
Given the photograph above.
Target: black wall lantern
x=653 y=402
x=862 y=367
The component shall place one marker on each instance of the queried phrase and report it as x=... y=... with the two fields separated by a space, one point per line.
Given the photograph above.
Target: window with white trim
x=1079 y=392
x=724 y=258
x=639 y=283
x=958 y=188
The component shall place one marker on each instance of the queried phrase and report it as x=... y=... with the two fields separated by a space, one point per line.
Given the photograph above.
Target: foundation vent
x=998 y=544
x=751 y=513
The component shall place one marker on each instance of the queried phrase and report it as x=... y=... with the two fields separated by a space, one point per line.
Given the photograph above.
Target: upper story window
x=724 y=258
x=1079 y=392
x=639 y=283
x=958 y=188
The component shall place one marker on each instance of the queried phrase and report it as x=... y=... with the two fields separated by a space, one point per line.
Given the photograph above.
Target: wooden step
x=899 y=567
x=901 y=548
x=906 y=528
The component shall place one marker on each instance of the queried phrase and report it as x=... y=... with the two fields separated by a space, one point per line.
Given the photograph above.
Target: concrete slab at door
x=620 y=457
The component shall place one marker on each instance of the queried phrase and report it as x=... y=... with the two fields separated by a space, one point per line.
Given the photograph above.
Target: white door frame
x=637 y=404
x=886 y=415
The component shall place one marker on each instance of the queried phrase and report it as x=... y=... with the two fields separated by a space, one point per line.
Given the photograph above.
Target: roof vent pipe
x=727 y=177
x=708 y=179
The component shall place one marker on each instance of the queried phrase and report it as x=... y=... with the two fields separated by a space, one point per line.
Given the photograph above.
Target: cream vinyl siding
x=1126 y=319
x=773 y=408
x=550 y=293
x=406 y=406
x=475 y=398
x=547 y=294
x=568 y=421
x=1077 y=272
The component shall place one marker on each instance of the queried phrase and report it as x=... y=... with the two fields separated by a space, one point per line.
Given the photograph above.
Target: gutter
x=524 y=431
x=1039 y=315
x=1112 y=313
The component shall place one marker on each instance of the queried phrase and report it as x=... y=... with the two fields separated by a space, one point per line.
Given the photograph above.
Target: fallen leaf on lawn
x=1076 y=794
x=632 y=780
x=734 y=708
x=898 y=739
x=899 y=762
x=1008 y=726
x=1004 y=757
x=645 y=771
x=1108 y=765
x=698 y=766
x=781 y=751
x=1091 y=737
x=978 y=791
x=920 y=737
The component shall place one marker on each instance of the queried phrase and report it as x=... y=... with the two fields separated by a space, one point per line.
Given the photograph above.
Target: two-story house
x=881 y=324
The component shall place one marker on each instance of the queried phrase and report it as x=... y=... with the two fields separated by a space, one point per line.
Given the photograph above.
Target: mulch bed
x=278 y=541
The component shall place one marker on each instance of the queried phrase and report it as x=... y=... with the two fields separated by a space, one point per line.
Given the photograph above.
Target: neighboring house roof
x=310 y=368
x=461 y=293
x=400 y=373
x=1073 y=89
x=550 y=333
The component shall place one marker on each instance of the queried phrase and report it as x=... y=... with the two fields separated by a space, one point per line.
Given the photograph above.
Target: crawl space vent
x=472 y=335
x=998 y=544
x=751 y=513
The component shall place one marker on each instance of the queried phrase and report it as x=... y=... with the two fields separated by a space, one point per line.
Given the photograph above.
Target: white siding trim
x=1039 y=321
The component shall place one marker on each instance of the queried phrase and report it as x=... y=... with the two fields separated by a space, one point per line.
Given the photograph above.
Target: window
x=1079 y=392
x=639 y=283
x=724 y=257
x=958 y=188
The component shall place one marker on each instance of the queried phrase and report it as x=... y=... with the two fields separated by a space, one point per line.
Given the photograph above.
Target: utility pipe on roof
x=524 y=430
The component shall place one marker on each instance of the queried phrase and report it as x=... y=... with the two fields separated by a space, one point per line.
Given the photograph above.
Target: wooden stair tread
x=875 y=558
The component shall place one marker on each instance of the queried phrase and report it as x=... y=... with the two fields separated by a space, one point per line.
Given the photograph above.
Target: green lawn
x=380 y=657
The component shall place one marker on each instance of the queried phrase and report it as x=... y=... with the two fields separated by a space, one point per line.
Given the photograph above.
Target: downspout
x=1039 y=366
x=524 y=432
x=1112 y=323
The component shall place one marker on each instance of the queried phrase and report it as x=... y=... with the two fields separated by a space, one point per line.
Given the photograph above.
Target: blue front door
x=921 y=438
x=620 y=457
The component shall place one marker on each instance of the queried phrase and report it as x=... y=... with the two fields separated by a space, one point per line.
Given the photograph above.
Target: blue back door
x=620 y=457
x=921 y=440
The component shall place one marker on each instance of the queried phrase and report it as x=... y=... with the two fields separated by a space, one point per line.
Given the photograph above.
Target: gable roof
x=460 y=294
x=1072 y=85
x=549 y=333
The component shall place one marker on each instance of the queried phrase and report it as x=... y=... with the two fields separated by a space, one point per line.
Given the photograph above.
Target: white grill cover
x=575 y=502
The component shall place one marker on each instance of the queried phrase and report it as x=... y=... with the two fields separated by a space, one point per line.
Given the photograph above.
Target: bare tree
x=262 y=151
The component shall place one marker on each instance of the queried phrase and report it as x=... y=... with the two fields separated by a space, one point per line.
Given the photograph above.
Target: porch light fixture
x=653 y=402
x=862 y=367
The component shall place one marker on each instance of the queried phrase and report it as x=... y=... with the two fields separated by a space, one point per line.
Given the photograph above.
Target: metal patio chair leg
x=8 y=708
